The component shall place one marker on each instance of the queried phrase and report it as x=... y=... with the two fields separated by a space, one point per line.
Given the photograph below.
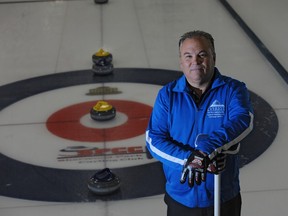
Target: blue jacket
x=222 y=119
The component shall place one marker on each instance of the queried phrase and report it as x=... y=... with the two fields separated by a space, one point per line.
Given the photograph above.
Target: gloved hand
x=217 y=164
x=195 y=168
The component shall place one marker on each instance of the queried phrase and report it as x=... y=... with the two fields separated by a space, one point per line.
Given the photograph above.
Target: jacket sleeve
x=161 y=146
x=238 y=126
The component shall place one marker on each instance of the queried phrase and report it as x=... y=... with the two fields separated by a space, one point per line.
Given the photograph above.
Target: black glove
x=217 y=164
x=195 y=167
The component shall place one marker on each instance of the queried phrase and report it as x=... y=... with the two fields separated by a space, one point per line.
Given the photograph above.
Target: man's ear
x=181 y=66
x=180 y=62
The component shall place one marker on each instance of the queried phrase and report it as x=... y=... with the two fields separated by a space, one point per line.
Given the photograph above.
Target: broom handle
x=217 y=195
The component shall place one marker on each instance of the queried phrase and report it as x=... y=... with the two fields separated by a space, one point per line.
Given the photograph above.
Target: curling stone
x=104 y=182
x=102 y=111
x=102 y=62
x=100 y=1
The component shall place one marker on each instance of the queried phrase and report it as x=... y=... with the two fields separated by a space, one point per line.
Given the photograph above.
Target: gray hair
x=193 y=34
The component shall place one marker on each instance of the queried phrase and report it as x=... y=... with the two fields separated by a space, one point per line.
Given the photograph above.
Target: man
x=196 y=121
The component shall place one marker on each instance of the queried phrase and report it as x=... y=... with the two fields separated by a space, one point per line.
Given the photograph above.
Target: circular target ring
x=66 y=123
x=40 y=183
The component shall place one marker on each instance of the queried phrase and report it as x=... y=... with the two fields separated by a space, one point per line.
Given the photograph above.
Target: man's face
x=197 y=61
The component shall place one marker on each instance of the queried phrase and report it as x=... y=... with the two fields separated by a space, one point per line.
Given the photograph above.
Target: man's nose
x=195 y=60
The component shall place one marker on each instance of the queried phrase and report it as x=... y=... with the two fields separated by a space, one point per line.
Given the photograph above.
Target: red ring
x=65 y=123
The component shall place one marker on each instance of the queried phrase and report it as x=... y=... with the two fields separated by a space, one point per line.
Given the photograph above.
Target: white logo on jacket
x=216 y=110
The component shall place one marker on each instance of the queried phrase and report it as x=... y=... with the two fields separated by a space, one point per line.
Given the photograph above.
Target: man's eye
x=203 y=55
x=188 y=56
